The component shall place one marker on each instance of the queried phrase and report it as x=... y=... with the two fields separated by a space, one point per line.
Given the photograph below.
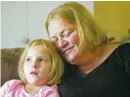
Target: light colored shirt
x=15 y=88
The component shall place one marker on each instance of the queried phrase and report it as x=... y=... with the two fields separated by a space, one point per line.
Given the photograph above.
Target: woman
x=98 y=68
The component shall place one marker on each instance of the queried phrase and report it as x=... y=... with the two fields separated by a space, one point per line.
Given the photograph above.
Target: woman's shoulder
x=120 y=45
x=120 y=48
x=121 y=51
x=117 y=51
x=124 y=46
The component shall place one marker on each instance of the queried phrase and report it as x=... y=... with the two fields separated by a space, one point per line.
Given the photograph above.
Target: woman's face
x=64 y=35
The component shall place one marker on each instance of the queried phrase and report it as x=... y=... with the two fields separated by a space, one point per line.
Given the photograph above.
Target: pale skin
x=36 y=68
x=63 y=33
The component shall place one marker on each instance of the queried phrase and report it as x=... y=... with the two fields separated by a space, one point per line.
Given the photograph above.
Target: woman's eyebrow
x=58 y=33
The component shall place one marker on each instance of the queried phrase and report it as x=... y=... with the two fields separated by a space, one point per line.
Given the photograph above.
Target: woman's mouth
x=68 y=51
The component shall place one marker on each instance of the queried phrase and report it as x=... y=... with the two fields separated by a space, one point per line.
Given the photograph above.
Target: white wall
x=21 y=19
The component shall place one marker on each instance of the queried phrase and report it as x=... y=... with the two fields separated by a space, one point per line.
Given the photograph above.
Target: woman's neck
x=90 y=60
x=93 y=59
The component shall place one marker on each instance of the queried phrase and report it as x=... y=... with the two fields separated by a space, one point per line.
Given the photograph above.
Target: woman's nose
x=62 y=43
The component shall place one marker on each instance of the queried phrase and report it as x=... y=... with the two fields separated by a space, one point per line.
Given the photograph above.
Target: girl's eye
x=54 y=39
x=41 y=59
x=28 y=59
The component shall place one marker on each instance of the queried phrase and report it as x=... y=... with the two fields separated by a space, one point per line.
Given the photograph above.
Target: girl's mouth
x=34 y=73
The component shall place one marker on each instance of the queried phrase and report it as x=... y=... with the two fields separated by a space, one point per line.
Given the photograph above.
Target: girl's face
x=37 y=65
x=64 y=35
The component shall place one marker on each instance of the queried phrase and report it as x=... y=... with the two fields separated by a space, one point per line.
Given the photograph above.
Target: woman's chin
x=70 y=59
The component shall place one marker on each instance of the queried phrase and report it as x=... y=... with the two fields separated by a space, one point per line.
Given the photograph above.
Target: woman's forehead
x=58 y=25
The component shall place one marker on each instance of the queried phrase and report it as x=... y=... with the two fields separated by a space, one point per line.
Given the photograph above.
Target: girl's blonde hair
x=90 y=34
x=57 y=64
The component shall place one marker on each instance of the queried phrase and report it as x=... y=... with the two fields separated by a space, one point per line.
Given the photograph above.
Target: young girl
x=40 y=69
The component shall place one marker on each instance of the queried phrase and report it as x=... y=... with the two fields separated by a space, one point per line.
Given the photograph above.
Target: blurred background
x=22 y=21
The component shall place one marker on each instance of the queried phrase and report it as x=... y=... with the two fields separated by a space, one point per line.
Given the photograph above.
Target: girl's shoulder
x=50 y=91
x=11 y=84
x=13 y=80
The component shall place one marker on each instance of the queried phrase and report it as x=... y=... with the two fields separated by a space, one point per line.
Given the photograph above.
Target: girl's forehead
x=38 y=49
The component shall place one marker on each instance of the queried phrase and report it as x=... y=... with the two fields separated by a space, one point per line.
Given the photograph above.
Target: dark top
x=110 y=79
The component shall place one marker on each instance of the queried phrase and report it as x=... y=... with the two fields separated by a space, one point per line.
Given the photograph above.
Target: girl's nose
x=34 y=64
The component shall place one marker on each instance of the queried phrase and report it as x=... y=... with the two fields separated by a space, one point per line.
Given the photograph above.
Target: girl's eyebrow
x=28 y=56
x=42 y=56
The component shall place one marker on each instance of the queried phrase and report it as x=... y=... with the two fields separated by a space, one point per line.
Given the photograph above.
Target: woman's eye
x=66 y=33
x=54 y=39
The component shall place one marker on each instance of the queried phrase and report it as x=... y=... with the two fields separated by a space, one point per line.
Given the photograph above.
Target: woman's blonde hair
x=57 y=64
x=89 y=32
